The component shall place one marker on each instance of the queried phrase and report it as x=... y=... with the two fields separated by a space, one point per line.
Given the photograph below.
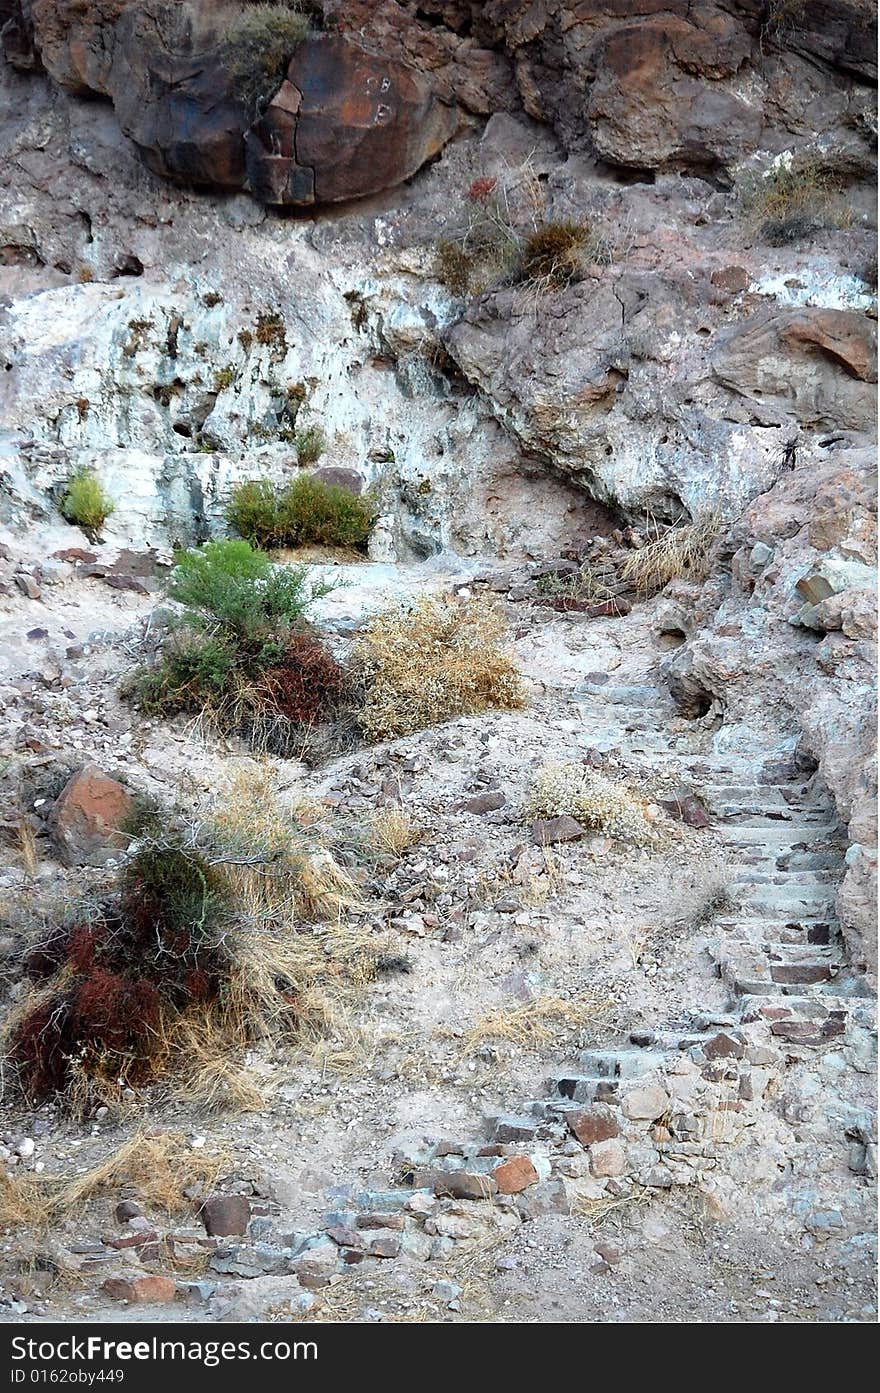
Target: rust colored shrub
x=306 y=684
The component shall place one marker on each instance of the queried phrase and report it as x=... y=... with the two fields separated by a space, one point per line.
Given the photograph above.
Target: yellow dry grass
x=681 y=552
x=431 y=661
x=392 y=831
x=545 y=1021
x=153 y=1166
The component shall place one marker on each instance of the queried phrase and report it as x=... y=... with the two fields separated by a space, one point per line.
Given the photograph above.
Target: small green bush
x=257 y=47
x=85 y=503
x=193 y=671
x=231 y=590
x=307 y=510
x=310 y=444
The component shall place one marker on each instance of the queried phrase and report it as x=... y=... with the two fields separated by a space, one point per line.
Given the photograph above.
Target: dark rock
x=547 y=831
x=687 y=808
x=593 y=1124
x=225 y=1215
x=345 y=123
x=340 y=478
x=483 y=802
x=127 y=1209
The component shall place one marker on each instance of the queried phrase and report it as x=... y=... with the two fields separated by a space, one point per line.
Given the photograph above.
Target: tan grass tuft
x=431 y=661
x=681 y=552
x=544 y=1021
x=392 y=832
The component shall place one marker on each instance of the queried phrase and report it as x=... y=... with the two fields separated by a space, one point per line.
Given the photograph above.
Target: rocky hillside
x=579 y=302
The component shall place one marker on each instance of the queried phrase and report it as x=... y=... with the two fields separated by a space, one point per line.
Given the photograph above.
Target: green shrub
x=232 y=590
x=310 y=444
x=85 y=503
x=551 y=255
x=329 y=515
x=307 y=510
x=192 y=672
x=257 y=47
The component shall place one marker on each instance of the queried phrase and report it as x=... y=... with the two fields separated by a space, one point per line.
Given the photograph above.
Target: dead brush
x=545 y=1021
x=275 y=871
x=154 y=1167
x=391 y=831
x=430 y=661
x=680 y=552
x=594 y=800
x=790 y=202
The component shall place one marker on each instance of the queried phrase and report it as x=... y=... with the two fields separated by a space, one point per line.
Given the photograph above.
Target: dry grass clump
x=791 y=202
x=156 y=1167
x=551 y=255
x=392 y=831
x=430 y=661
x=594 y=800
x=257 y=45
x=681 y=551
x=544 y=1021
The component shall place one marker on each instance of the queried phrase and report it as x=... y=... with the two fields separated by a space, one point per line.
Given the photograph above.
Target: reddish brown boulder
x=514 y=1175
x=149 y=1290
x=88 y=816
x=593 y=1124
x=224 y=1215
x=345 y=123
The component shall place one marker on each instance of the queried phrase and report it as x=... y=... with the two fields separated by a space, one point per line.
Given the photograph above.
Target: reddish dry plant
x=481 y=189
x=305 y=685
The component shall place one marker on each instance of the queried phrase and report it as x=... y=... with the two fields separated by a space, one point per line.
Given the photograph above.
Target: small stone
x=150 y=1290
x=25 y=1148
x=608 y=1252
x=645 y=1104
x=484 y=802
x=514 y=1175
x=607 y=1158
x=225 y=1215
x=549 y=830
x=446 y=1291
x=27 y=585
x=384 y=1245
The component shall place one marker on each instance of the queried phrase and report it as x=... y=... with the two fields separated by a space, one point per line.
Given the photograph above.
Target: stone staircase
x=662 y=1107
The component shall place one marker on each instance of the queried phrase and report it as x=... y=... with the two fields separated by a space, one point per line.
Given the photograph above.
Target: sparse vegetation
x=197 y=952
x=257 y=46
x=791 y=202
x=431 y=661
x=243 y=656
x=270 y=331
x=157 y=1167
x=85 y=502
x=551 y=255
x=541 y=1022
x=680 y=551
x=306 y=510
x=392 y=831
x=311 y=443
x=593 y=799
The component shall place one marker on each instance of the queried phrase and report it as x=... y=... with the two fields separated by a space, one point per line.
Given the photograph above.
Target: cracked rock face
x=344 y=123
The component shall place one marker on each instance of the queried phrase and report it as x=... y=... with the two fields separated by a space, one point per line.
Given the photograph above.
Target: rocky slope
x=715 y=358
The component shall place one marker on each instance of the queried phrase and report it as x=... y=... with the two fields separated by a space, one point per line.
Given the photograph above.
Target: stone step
x=801 y=878
x=619 y=1064
x=794 y=835
x=635 y=696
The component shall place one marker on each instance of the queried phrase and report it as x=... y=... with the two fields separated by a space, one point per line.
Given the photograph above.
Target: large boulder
x=344 y=123
x=818 y=364
x=88 y=817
